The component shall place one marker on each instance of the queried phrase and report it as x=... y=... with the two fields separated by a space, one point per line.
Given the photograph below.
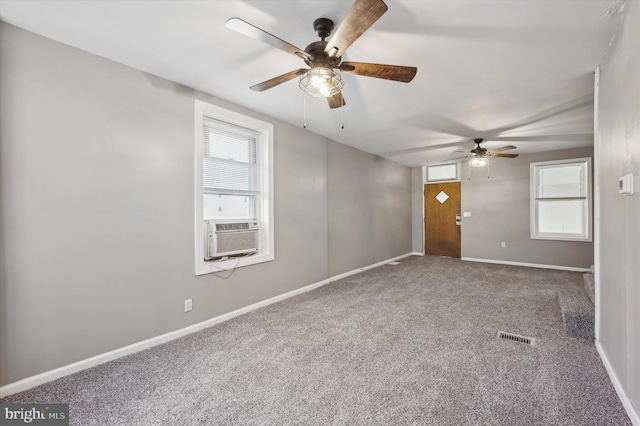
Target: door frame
x=424 y=182
x=456 y=245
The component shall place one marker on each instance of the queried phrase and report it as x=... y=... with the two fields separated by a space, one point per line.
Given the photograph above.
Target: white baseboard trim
x=66 y=370
x=355 y=271
x=415 y=253
x=626 y=403
x=529 y=265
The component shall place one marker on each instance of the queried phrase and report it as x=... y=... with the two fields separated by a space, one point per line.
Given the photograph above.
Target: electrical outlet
x=188 y=305
x=503 y=244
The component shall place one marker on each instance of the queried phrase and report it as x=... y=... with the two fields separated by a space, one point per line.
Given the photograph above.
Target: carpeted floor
x=414 y=343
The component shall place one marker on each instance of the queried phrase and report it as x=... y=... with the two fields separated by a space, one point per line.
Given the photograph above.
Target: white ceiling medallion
x=442 y=197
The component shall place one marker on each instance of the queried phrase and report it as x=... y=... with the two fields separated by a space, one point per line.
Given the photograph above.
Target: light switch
x=466 y=214
x=625 y=185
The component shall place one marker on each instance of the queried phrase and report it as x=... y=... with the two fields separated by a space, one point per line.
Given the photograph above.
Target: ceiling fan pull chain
x=342 y=115
x=304 y=111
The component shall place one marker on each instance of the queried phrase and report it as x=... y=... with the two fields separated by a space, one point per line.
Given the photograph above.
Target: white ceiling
x=516 y=72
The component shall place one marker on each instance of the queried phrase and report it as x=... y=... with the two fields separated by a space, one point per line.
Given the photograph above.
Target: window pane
x=232 y=148
x=445 y=172
x=223 y=206
x=561 y=181
x=561 y=217
x=229 y=142
x=224 y=174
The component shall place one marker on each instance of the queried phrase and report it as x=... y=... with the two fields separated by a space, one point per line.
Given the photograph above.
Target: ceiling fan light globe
x=317 y=81
x=479 y=162
x=321 y=82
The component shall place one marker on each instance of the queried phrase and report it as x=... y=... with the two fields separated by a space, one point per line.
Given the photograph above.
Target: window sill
x=203 y=268
x=562 y=238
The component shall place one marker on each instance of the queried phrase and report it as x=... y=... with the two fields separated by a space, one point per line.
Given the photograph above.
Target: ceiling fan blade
x=362 y=15
x=336 y=101
x=502 y=155
x=388 y=72
x=252 y=31
x=261 y=87
x=503 y=148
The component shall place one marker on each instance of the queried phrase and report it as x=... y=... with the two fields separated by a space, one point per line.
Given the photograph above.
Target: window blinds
x=563 y=181
x=229 y=161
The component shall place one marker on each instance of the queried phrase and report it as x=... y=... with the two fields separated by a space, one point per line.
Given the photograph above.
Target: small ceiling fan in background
x=324 y=56
x=478 y=156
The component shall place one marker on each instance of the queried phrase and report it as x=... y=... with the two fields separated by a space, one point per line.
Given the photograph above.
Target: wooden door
x=441 y=208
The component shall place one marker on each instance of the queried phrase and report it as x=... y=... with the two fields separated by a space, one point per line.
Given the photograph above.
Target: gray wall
x=369 y=208
x=619 y=154
x=500 y=211
x=96 y=193
x=417 y=212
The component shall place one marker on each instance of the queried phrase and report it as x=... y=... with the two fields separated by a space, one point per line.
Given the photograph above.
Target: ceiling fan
x=479 y=155
x=320 y=80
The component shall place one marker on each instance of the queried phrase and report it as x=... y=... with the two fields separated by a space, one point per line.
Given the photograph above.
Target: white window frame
x=456 y=178
x=537 y=235
x=264 y=205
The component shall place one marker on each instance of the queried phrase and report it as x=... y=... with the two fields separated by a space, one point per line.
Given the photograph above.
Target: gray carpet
x=578 y=313
x=590 y=287
x=413 y=344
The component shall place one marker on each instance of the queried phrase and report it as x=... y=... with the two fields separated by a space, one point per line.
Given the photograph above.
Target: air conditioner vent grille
x=232 y=226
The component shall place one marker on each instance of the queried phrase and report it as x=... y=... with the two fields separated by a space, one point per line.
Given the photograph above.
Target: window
x=233 y=184
x=561 y=200
x=443 y=172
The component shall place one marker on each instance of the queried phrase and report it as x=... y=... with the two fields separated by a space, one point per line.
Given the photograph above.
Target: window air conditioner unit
x=224 y=238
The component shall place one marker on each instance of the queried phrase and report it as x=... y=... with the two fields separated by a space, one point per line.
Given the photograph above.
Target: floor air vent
x=517 y=338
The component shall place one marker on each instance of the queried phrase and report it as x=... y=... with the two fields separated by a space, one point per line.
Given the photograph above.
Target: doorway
x=442 y=219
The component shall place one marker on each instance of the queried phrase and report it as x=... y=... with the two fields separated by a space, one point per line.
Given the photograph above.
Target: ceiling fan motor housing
x=319 y=56
x=477 y=150
x=323 y=28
